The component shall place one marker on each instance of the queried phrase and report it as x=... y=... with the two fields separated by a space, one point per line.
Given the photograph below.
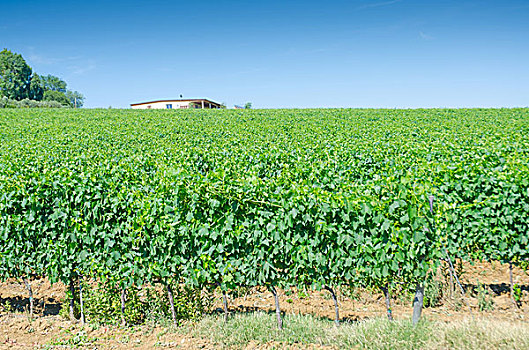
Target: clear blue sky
x=362 y=53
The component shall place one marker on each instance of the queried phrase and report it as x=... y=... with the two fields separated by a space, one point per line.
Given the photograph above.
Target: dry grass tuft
x=244 y=329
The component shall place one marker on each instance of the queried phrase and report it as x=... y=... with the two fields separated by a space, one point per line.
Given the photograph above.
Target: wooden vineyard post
x=171 y=303
x=225 y=305
x=72 y=299
x=336 y=311
x=385 y=290
x=224 y=302
x=30 y=293
x=81 y=303
x=418 y=303
x=278 y=309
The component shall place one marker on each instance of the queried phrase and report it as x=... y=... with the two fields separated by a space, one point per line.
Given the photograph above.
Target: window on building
x=169 y=106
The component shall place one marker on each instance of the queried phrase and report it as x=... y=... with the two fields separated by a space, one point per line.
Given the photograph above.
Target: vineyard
x=273 y=198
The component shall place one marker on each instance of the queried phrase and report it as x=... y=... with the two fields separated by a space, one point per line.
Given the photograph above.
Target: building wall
x=163 y=105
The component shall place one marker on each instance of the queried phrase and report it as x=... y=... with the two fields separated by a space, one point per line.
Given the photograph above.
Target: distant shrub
x=50 y=104
x=27 y=103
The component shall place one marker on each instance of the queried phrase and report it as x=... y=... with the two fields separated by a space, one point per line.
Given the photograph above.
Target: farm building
x=175 y=104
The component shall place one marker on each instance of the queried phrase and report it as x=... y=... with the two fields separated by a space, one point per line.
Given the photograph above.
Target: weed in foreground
x=260 y=327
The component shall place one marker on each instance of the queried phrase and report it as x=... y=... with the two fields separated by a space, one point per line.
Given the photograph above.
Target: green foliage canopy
x=53 y=83
x=15 y=76
x=270 y=198
x=51 y=95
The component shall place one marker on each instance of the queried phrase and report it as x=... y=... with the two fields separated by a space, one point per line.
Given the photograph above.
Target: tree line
x=20 y=86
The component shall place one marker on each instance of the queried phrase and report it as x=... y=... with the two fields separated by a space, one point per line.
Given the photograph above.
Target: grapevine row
x=275 y=198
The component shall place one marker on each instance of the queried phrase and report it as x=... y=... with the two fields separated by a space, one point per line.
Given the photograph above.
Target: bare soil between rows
x=48 y=329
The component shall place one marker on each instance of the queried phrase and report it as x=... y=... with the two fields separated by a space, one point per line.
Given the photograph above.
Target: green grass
x=260 y=327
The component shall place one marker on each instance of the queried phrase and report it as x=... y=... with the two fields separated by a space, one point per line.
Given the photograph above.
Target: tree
x=36 y=90
x=248 y=105
x=76 y=98
x=55 y=90
x=51 y=95
x=15 y=76
x=53 y=83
